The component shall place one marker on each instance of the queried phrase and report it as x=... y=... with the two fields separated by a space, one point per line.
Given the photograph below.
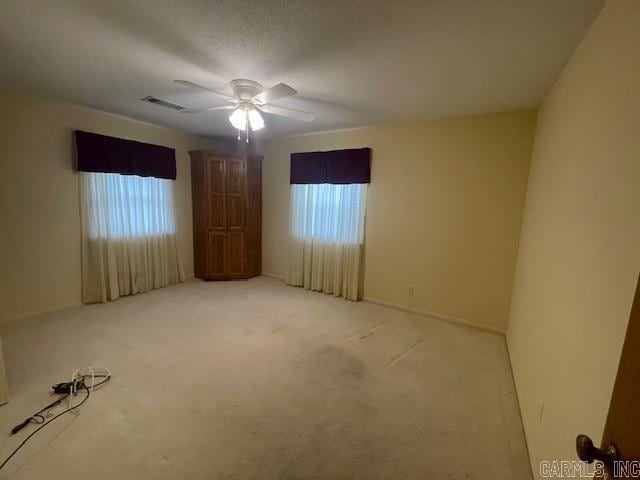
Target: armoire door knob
x=587 y=452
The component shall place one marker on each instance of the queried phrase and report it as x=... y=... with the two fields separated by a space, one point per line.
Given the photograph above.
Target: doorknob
x=587 y=452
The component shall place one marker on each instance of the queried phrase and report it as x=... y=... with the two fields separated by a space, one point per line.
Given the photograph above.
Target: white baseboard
x=44 y=311
x=397 y=306
x=275 y=276
x=439 y=316
x=36 y=313
x=424 y=313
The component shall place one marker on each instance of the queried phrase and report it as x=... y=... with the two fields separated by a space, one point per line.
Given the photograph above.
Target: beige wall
x=443 y=210
x=580 y=246
x=39 y=209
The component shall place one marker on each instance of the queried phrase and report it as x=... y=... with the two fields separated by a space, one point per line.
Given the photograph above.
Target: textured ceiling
x=353 y=62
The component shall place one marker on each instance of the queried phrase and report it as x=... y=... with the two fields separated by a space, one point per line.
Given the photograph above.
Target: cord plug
x=66 y=387
x=17 y=428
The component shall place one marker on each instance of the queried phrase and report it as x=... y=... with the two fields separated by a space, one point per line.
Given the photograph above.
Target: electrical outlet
x=411 y=290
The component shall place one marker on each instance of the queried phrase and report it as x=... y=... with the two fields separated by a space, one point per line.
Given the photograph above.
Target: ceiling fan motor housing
x=244 y=89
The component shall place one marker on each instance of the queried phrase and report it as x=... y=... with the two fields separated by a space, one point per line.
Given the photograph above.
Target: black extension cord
x=59 y=388
x=65 y=389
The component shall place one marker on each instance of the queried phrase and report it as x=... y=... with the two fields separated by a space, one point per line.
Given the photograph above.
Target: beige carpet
x=257 y=380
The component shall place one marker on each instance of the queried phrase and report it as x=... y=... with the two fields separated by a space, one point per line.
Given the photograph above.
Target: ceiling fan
x=248 y=100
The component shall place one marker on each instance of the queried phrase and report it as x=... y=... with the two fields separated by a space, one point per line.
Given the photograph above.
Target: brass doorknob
x=587 y=452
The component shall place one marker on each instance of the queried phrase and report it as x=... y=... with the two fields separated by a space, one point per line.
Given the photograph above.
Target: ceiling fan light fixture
x=238 y=119
x=256 y=122
x=246 y=115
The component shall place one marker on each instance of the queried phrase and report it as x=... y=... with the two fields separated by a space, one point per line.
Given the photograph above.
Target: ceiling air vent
x=162 y=103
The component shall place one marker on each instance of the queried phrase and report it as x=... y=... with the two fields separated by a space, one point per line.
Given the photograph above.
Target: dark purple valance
x=336 y=166
x=99 y=153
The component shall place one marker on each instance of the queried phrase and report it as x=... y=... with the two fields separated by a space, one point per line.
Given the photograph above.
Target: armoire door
x=236 y=195
x=215 y=171
x=253 y=222
x=216 y=254
x=235 y=254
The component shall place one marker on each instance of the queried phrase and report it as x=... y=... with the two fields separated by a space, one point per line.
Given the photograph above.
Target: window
x=328 y=199
x=120 y=206
x=128 y=226
x=328 y=213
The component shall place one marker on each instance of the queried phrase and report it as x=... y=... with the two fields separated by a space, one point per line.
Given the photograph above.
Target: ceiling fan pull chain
x=247 y=132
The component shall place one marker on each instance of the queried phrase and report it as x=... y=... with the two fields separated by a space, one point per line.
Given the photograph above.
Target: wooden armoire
x=227 y=214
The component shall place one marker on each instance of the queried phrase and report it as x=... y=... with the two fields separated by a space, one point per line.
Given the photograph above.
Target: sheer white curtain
x=327 y=237
x=128 y=235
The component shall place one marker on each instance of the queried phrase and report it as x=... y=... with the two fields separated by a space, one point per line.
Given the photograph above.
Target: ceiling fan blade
x=272 y=94
x=187 y=83
x=288 y=112
x=207 y=109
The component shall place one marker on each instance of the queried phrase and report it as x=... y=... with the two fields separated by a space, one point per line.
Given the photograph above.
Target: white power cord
x=94 y=370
